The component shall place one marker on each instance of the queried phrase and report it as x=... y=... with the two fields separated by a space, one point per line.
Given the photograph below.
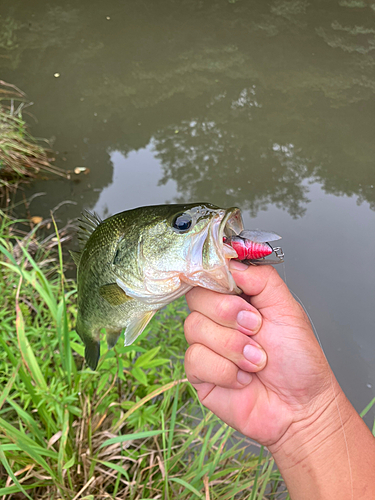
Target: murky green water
x=265 y=105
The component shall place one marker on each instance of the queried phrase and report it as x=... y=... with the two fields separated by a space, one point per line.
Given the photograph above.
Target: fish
x=135 y=262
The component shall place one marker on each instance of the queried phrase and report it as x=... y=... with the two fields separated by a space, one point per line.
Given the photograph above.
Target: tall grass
x=21 y=156
x=133 y=429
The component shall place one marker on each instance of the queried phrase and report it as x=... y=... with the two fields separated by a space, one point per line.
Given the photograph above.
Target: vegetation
x=21 y=157
x=133 y=429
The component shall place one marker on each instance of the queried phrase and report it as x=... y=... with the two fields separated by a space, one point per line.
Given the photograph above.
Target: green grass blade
x=255 y=485
x=62 y=448
x=44 y=414
x=9 y=385
x=368 y=408
x=26 y=351
x=265 y=479
x=7 y=467
x=9 y=256
x=204 y=447
x=65 y=351
x=173 y=422
x=130 y=437
x=27 y=419
x=9 y=490
x=166 y=489
x=187 y=486
x=28 y=446
x=113 y=466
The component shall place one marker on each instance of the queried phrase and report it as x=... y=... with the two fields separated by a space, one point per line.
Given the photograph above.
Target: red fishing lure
x=253 y=245
x=247 y=249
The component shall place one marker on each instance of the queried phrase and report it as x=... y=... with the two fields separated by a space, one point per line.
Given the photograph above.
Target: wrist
x=330 y=454
x=310 y=434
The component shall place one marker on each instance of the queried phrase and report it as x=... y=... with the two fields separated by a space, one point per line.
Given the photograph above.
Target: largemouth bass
x=138 y=261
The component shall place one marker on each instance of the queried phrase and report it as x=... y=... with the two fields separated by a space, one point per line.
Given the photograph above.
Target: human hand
x=287 y=383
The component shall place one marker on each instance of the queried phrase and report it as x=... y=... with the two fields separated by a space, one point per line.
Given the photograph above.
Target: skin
x=255 y=362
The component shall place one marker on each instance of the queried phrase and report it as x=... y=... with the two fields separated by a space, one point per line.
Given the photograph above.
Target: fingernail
x=254 y=354
x=248 y=320
x=244 y=378
x=237 y=266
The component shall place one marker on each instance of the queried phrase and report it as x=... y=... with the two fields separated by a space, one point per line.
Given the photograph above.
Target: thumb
x=265 y=287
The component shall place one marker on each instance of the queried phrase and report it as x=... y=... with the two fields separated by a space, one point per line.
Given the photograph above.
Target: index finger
x=226 y=310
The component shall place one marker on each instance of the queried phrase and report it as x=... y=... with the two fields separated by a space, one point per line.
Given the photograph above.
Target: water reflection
x=135 y=181
x=244 y=100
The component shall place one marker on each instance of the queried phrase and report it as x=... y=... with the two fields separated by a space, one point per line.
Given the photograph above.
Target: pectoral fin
x=113 y=294
x=136 y=326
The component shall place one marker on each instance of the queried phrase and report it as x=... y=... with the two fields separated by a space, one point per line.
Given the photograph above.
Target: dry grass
x=21 y=157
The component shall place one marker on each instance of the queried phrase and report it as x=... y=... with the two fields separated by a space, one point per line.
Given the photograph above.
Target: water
x=268 y=106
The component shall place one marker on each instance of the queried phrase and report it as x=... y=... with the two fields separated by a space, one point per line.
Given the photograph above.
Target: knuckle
x=192 y=323
x=225 y=371
x=193 y=363
x=227 y=342
x=226 y=305
x=192 y=354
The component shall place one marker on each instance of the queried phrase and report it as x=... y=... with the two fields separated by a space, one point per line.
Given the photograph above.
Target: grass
x=133 y=429
x=21 y=156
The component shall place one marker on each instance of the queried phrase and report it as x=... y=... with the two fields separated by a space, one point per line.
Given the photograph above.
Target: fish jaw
x=214 y=255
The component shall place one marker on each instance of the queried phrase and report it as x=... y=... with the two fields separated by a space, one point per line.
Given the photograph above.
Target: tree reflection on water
x=244 y=102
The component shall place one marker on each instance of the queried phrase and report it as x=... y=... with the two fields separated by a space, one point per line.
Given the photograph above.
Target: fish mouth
x=231 y=224
x=216 y=254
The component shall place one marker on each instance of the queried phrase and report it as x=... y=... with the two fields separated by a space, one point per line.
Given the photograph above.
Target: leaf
x=29 y=446
x=153 y=394
x=130 y=437
x=368 y=408
x=69 y=463
x=140 y=375
x=157 y=362
x=63 y=441
x=115 y=467
x=144 y=359
x=78 y=348
x=187 y=485
x=7 y=388
x=26 y=351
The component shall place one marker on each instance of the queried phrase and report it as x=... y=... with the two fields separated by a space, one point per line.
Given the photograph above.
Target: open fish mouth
x=231 y=225
x=215 y=254
x=226 y=224
x=251 y=246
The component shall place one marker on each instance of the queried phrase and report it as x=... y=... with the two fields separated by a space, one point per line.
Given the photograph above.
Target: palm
x=281 y=392
x=277 y=395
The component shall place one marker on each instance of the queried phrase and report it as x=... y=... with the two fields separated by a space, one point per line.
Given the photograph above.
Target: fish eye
x=182 y=222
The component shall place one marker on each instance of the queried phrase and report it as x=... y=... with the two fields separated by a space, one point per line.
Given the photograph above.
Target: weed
x=21 y=156
x=132 y=429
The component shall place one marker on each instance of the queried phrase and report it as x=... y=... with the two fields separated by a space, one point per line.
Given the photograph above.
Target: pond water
x=268 y=106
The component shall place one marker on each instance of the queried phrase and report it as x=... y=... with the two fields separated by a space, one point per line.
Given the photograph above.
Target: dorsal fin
x=88 y=222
